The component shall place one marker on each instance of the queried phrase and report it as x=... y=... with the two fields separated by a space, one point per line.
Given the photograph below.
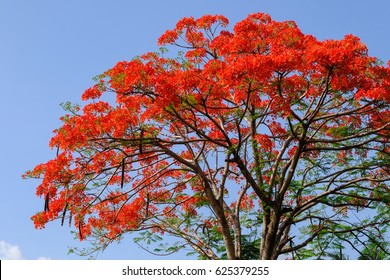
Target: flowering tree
x=258 y=137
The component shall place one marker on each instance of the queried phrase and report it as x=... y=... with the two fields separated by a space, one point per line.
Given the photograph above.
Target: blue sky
x=51 y=49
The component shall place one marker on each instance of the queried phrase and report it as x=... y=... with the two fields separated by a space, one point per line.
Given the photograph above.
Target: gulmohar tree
x=257 y=142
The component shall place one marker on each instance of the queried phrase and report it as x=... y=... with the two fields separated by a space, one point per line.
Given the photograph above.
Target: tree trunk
x=268 y=242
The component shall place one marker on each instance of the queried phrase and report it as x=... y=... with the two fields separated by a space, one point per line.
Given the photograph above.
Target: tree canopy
x=252 y=142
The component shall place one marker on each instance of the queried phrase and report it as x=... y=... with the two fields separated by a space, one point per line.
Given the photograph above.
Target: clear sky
x=51 y=49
